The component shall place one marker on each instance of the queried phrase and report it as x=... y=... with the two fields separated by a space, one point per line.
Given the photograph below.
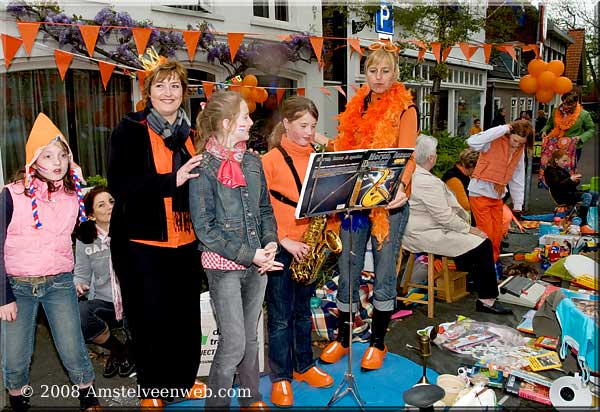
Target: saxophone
x=321 y=242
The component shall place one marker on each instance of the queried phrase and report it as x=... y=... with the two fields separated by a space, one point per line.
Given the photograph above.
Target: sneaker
x=111 y=368
x=126 y=368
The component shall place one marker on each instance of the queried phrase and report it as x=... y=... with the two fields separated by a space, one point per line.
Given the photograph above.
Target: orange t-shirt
x=280 y=178
x=163 y=161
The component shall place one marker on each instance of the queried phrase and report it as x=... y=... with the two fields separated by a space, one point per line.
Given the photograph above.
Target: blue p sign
x=384 y=19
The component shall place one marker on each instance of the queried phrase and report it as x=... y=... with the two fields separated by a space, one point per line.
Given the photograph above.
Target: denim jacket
x=232 y=222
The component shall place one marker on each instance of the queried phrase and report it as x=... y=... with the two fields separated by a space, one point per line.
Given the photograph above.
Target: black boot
x=381 y=320
x=127 y=366
x=88 y=400
x=344 y=329
x=117 y=354
x=19 y=403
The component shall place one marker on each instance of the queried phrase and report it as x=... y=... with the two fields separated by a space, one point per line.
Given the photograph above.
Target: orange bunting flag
x=317 y=45
x=421 y=54
x=29 y=31
x=106 y=70
x=339 y=89
x=280 y=93
x=325 y=91
x=208 y=89
x=284 y=37
x=355 y=45
x=63 y=61
x=534 y=48
x=235 y=40
x=191 y=38
x=487 y=51
x=422 y=49
x=141 y=35
x=141 y=75
x=301 y=91
x=90 y=36
x=445 y=53
x=467 y=50
x=436 y=47
x=355 y=88
x=10 y=45
x=508 y=49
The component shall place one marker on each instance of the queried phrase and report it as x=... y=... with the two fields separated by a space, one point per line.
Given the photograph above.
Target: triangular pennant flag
x=436 y=47
x=208 y=89
x=141 y=35
x=191 y=38
x=421 y=54
x=29 y=31
x=63 y=60
x=234 y=39
x=285 y=37
x=466 y=50
x=355 y=88
x=534 y=48
x=90 y=36
x=10 y=45
x=106 y=70
x=445 y=53
x=325 y=91
x=280 y=93
x=317 y=45
x=508 y=49
x=487 y=51
x=301 y=91
x=473 y=50
x=141 y=75
x=339 y=89
x=355 y=45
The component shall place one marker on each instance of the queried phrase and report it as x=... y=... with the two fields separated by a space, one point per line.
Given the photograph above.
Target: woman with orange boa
x=569 y=127
x=380 y=115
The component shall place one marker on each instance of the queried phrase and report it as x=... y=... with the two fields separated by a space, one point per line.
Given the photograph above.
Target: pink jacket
x=45 y=251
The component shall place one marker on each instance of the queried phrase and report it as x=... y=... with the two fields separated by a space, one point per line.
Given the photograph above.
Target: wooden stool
x=446 y=287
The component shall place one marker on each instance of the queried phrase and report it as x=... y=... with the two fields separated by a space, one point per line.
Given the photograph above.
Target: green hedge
x=449 y=147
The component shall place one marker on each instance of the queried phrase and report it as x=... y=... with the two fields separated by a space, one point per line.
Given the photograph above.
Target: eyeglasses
x=387 y=46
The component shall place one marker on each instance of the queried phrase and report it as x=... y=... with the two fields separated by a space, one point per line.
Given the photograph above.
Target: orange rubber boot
x=315 y=377
x=281 y=394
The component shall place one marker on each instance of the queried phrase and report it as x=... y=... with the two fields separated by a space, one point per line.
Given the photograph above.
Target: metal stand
x=348 y=384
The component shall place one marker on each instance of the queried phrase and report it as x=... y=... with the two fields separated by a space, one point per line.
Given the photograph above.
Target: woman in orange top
x=288 y=302
x=153 y=244
x=458 y=177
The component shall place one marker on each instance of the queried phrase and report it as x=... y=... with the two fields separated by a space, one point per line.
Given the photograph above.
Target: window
x=497 y=104
x=261 y=8
x=516 y=64
x=514 y=110
x=529 y=103
x=281 y=10
x=424 y=106
x=197 y=8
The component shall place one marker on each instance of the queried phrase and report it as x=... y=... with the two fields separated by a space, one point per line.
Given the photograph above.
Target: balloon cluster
x=248 y=88
x=545 y=79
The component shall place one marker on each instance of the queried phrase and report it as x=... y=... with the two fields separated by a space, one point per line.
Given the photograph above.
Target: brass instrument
x=321 y=242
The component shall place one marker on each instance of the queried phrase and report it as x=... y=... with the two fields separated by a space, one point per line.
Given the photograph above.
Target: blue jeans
x=237 y=297
x=289 y=322
x=59 y=300
x=97 y=315
x=589 y=198
x=384 y=290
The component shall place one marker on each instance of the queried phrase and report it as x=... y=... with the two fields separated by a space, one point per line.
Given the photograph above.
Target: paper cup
x=452 y=385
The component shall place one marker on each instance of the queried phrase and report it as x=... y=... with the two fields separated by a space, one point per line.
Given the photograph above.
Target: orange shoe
x=151 y=405
x=257 y=406
x=333 y=352
x=198 y=391
x=373 y=358
x=587 y=230
x=315 y=377
x=281 y=394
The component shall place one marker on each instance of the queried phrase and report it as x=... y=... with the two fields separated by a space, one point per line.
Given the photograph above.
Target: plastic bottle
x=592 y=218
x=574 y=228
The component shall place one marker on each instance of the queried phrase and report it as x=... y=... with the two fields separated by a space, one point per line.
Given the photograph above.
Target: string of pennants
x=141 y=36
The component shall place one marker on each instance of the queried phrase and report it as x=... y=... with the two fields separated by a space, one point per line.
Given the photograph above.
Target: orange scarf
x=374 y=129
x=562 y=124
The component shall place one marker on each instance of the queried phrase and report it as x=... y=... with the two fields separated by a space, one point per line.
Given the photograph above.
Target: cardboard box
x=210 y=336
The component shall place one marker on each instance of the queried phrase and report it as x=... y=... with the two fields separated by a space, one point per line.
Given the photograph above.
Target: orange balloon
x=246 y=93
x=250 y=80
x=536 y=67
x=544 y=96
x=251 y=105
x=563 y=85
x=260 y=95
x=546 y=81
x=556 y=66
x=528 y=84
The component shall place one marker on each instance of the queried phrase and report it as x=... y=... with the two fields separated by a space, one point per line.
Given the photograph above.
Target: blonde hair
x=165 y=71
x=382 y=56
x=468 y=158
x=292 y=109
x=221 y=106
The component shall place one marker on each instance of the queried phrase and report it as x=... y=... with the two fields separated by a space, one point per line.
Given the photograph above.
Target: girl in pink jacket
x=36 y=265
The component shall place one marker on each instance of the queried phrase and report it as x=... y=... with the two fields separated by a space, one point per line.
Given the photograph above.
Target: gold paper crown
x=152 y=61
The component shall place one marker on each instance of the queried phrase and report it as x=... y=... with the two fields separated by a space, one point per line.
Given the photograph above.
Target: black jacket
x=562 y=188
x=139 y=191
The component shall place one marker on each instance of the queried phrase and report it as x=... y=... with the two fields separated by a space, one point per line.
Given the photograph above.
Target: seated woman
x=437 y=224
x=95 y=278
x=458 y=177
x=563 y=187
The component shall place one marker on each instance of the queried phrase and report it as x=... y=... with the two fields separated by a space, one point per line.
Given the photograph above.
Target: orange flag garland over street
x=28 y=32
x=508 y=49
x=487 y=51
x=106 y=70
x=10 y=46
x=436 y=47
x=280 y=93
x=141 y=35
x=208 y=89
x=317 y=45
x=301 y=91
x=355 y=45
x=191 y=38
x=235 y=40
x=63 y=61
x=90 y=36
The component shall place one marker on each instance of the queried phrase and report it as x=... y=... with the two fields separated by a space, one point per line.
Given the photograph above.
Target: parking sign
x=384 y=19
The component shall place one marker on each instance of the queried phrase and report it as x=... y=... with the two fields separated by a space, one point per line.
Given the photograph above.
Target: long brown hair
x=222 y=105
x=557 y=154
x=293 y=108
